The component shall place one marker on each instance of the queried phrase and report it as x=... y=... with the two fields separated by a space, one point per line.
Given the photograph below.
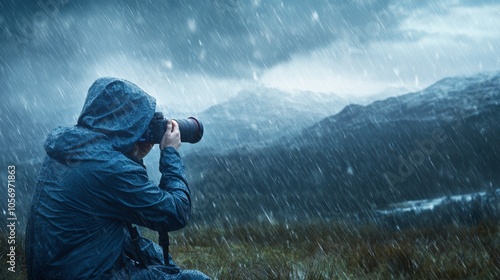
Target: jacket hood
x=116 y=112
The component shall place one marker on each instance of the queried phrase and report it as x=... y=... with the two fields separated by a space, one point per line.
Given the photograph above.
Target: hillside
x=440 y=141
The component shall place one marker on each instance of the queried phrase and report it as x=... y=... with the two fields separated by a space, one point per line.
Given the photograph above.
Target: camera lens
x=191 y=130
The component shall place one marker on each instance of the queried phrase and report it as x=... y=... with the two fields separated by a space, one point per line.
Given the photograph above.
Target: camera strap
x=164 y=242
x=134 y=237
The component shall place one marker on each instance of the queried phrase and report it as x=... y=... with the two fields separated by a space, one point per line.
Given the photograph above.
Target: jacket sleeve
x=133 y=198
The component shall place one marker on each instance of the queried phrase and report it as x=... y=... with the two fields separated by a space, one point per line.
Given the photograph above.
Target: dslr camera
x=191 y=129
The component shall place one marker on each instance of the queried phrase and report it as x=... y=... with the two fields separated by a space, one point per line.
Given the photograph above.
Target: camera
x=191 y=129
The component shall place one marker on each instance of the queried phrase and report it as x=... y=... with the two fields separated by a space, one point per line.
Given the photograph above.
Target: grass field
x=330 y=251
x=340 y=251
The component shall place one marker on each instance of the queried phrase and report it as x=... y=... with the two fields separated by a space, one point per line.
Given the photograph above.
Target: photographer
x=93 y=186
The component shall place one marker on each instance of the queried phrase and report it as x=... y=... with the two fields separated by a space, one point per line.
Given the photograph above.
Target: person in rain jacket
x=93 y=185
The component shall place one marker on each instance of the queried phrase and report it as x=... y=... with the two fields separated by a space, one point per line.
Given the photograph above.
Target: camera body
x=191 y=129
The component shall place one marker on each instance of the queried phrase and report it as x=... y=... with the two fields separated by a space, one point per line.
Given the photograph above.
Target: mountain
x=257 y=117
x=440 y=141
x=384 y=94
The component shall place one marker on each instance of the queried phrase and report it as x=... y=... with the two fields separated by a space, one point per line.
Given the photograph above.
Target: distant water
x=430 y=204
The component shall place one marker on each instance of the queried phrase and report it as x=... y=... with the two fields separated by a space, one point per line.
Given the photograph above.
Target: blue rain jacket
x=88 y=190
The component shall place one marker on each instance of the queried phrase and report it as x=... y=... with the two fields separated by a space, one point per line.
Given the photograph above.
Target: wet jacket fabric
x=88 y=191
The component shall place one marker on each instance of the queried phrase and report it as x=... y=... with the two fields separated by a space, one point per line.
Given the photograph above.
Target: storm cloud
x=222 y=37
x=52 y=50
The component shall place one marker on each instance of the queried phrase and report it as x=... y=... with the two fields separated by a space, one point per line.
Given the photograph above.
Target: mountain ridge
x=433 y=142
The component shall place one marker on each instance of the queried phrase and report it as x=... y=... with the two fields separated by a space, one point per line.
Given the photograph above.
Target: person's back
x=90 y=189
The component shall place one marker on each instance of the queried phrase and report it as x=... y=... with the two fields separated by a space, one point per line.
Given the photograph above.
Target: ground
x=330 y=250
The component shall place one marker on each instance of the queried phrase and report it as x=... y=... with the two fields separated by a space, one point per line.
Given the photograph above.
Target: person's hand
x=172 y=136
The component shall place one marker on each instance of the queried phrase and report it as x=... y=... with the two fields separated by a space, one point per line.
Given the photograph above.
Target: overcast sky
x=193 y=54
